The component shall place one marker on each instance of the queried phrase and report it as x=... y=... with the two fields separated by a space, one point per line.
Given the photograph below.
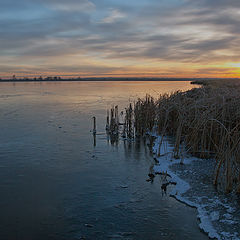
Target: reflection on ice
x=58 y=181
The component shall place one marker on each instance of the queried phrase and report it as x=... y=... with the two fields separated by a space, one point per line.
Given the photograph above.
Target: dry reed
x=206 y=121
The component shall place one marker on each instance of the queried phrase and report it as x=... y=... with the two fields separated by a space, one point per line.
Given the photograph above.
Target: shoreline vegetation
x=204 y=121
x=200 y=81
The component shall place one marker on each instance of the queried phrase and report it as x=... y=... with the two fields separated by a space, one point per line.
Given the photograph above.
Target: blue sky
x=114 y=38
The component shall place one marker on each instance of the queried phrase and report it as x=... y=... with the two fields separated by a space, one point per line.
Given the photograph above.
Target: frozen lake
x=55 y=184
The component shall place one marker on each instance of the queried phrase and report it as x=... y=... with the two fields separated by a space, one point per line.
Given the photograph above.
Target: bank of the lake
x=218 y=212
x=204 y=127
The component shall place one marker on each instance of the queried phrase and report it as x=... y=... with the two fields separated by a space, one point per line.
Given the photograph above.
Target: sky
x=116 y=38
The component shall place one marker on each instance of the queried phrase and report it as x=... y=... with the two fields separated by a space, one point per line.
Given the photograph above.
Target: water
x=55 y=184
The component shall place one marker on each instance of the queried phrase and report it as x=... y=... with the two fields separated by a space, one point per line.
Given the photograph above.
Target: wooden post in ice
x=107 y=125
x=94 y=140
x=94 y=126
x=116 y=115
x=112 y=121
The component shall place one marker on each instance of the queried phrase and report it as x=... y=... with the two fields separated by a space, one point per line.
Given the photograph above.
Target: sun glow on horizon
x=128 y=39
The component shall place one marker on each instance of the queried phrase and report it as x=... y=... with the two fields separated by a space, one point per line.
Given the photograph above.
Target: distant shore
x=59 y=79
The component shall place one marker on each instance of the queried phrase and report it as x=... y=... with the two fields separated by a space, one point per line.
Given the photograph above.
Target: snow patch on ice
x=228 y=235
x=204 y=205
x=228 y=216
x=214 y=216
x=228 y=221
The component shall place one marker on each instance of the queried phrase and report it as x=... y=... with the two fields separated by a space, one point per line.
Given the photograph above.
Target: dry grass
x=205 y=120
x=216 y=83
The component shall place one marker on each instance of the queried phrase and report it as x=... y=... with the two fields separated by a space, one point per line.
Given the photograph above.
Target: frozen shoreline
x=219 y=217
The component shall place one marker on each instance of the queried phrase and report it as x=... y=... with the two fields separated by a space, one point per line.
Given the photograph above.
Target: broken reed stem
x=94 y=126
x=112 y=123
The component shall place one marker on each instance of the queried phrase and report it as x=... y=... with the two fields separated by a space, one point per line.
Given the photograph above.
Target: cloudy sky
x=162 y=38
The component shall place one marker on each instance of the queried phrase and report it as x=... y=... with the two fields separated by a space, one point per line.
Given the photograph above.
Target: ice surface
x=217 y=213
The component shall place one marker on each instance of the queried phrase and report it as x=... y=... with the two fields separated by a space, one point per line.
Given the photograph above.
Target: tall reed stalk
x=205 y=119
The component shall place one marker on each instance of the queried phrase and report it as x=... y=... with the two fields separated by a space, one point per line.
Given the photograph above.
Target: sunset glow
x=176 y=38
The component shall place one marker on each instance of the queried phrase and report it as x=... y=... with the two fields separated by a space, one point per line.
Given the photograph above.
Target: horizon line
x=59 y=79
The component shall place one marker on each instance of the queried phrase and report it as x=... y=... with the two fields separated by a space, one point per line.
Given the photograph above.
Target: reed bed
x=112 y=124
x=205 y=121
